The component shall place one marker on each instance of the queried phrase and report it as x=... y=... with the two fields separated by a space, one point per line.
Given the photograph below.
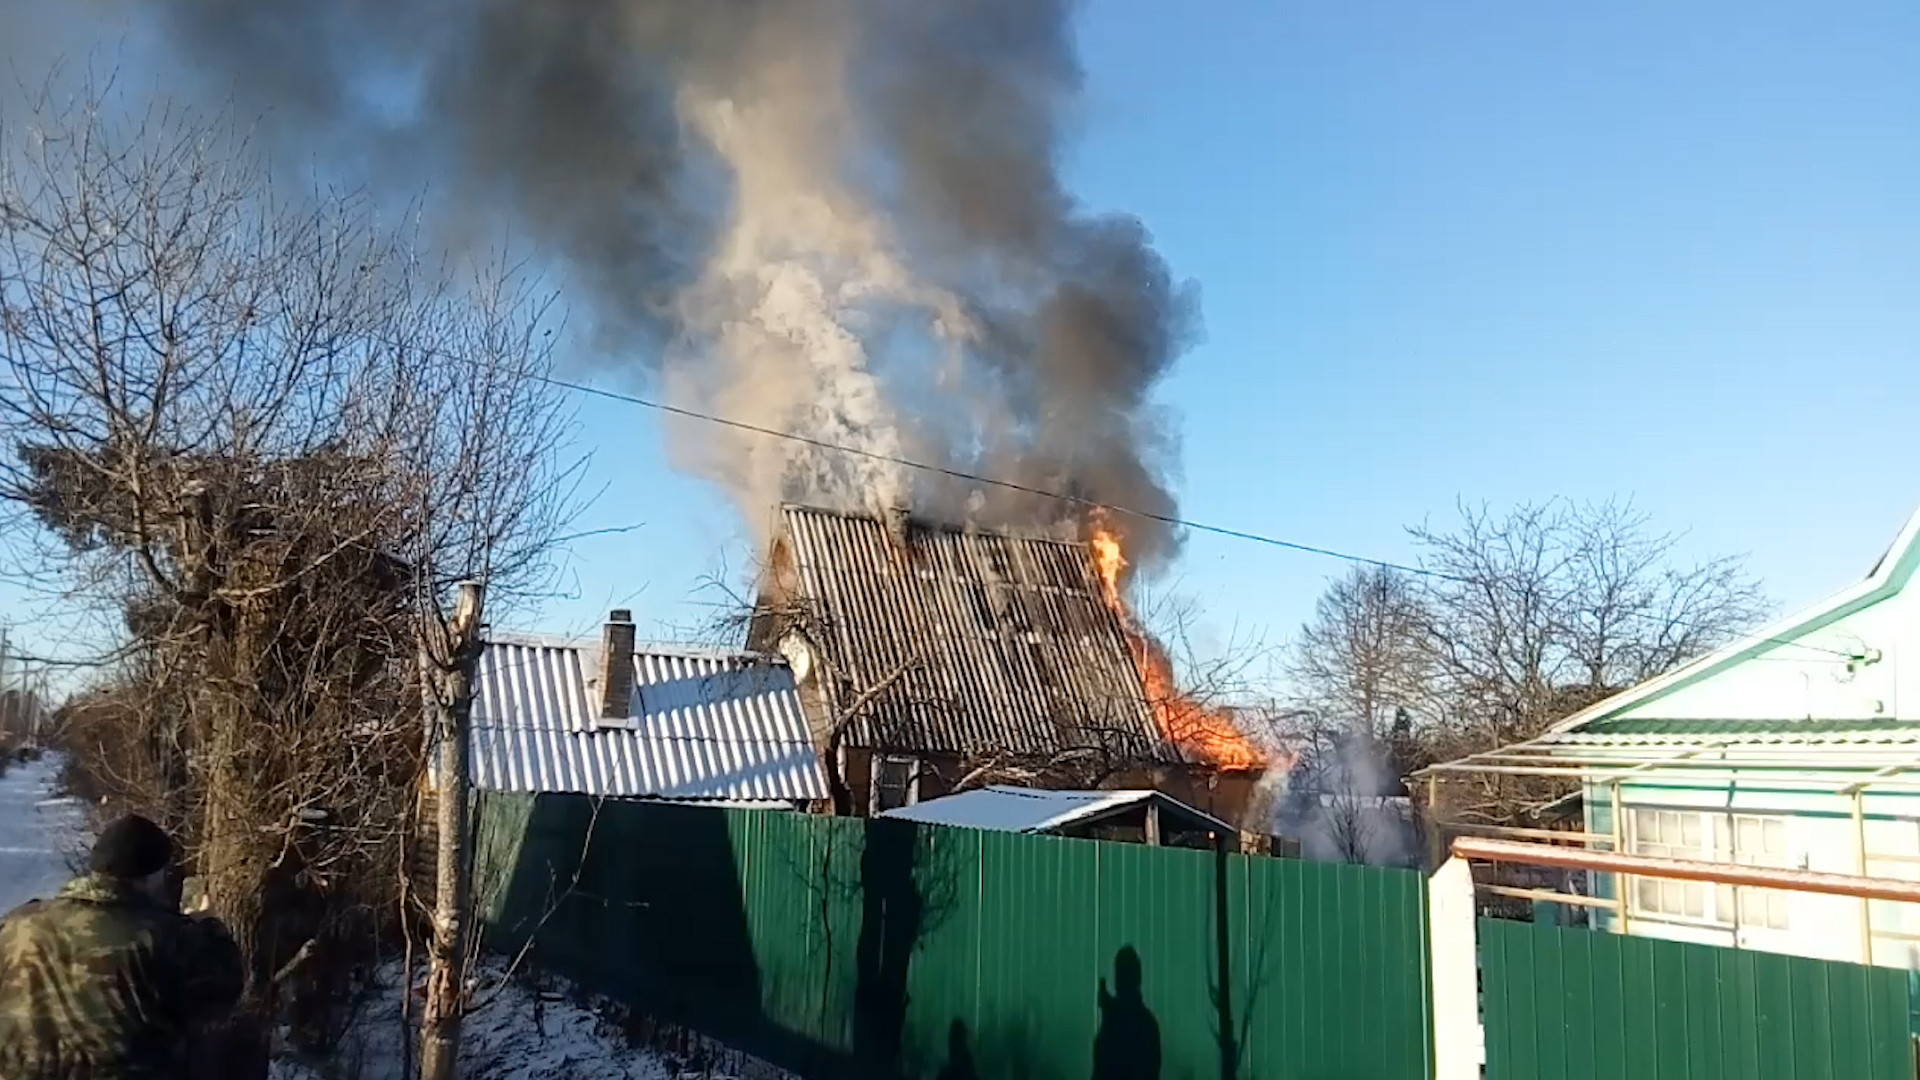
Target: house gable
x=978 y=642
x=1846 y=658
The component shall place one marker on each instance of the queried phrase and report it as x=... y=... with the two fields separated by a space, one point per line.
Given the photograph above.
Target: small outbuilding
x=1139 y=817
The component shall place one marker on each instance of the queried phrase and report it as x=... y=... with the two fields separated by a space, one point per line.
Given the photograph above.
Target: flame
x=1208 y=733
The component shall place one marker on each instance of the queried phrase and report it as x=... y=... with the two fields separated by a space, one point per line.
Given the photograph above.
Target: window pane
x=1722 y=838
x=1646 y=826
x=1747 y=841
x=893 y=783
x=1673 y=898
x=1723 y=903
x=1776 y=909
x=1690 y=832
x=1696 y=901
x=1776 y=840
x=1648 y=893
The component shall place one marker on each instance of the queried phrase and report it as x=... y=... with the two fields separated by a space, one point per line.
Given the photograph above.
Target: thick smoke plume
x=838 y=217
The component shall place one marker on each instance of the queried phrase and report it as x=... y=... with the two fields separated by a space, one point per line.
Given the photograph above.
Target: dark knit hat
x=131 y=847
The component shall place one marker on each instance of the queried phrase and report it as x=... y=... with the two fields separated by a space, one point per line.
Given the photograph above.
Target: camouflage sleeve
x=209 y=970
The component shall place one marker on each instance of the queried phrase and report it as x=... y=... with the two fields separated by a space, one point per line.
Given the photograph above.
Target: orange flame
x=1208 y=733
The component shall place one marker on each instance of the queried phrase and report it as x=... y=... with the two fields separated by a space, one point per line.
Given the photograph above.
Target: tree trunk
x=448 y=689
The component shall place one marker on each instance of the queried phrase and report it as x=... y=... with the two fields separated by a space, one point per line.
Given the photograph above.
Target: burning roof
x=986 y=640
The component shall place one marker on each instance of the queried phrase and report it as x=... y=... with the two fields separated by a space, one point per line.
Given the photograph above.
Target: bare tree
x=1536 y=614
x=1349 y=825
x=783 y=620
x=1362 y=661
x=249 y=419
x=1556 y=605
x=1513 y=622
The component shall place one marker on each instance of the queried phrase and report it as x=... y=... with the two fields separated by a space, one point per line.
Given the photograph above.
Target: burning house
x=931 y=658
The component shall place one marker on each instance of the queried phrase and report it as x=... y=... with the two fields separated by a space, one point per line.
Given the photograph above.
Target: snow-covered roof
x=1028 y=810
x=703 y=724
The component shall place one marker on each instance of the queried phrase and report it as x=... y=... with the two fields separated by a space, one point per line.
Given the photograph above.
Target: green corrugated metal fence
x=1594 y=1006
x=841 y=947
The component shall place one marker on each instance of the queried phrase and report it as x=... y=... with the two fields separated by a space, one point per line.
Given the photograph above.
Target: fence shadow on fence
x=881 y=949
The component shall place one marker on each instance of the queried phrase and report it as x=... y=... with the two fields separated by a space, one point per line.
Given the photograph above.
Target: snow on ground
x=521 y=1034
x=41 y=832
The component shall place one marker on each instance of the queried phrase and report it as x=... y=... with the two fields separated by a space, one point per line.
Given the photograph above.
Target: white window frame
x=1892 y=850
x=1727 y=836
x=873 y=781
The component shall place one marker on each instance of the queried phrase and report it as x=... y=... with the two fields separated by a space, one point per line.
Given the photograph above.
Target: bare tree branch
x=251 y=422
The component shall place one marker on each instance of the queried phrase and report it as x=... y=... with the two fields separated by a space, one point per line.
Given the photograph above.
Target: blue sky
x=1499 y=252
x=1521 y=253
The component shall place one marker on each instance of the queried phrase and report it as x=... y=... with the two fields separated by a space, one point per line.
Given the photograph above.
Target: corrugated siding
x=1575 y=1003
x=842 y=948
x=705 y=726
x=1015 y=647
x=1643 y=731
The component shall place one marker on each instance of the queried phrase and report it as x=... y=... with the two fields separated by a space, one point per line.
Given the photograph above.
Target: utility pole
x=449 y=654
x=6 y=699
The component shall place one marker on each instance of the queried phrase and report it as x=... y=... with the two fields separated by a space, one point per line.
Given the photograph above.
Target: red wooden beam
x=1765 y=877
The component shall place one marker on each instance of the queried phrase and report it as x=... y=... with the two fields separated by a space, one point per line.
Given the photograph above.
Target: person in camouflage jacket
x=108 y=980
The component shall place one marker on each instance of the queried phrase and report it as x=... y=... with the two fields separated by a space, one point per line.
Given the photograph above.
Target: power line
x=961 y=474
x=1077 y=500
x=1092 y=504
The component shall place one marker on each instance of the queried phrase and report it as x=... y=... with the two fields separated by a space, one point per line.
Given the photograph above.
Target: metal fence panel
x=1578 y=1005
x=839 y=947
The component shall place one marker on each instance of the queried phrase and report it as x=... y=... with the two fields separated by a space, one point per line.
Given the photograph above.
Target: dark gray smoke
x=843 y=217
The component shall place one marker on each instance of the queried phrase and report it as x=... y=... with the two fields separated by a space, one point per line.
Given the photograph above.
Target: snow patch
x=42 y=834
x=520 y=1033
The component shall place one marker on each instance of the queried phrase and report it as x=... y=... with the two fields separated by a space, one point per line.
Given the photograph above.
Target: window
x=1669 y=834
x=1760 y=841
x=1893 y=851
x=1707 y=836
x=896 y=783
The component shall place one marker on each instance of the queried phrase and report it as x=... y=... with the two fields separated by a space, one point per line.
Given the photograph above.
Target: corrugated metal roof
x=705 y=725
x=1772 y=733
x=1027 y=810
x=1012 y=646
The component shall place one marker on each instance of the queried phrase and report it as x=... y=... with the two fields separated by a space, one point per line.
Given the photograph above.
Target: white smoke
x=843 y=219
x=779 y=322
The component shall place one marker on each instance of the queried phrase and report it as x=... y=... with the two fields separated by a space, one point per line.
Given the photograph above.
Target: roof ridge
x=1887 y=578
x=962 y=529
x=537 y=640
x=1876 y=723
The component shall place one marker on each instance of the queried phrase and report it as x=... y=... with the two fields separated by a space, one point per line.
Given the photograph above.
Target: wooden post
x=1153 y=824
x=449 y=653
x=1621 y=882
x=1436 y=842
x=1860 y=867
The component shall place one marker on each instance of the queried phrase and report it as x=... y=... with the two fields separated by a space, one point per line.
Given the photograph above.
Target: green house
x=1797 y=746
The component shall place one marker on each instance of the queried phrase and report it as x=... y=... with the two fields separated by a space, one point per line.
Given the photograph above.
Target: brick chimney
x=616 y=666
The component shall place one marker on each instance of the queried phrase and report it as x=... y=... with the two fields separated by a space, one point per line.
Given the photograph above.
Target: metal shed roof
x=704 y=725
x=1005 y=641
x=1028 y=810
x=1819 y=755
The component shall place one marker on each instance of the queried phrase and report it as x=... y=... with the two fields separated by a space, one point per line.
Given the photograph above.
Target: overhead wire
x=991 y=481
x=1092 y=504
